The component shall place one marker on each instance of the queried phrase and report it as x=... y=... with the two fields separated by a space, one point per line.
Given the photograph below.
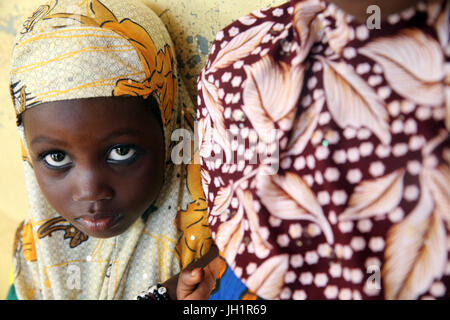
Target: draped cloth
x=328 y=166
x=89 y=48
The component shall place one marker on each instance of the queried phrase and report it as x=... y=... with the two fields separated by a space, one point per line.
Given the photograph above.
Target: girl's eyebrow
x=124 y=132
x=44 y=139
x=128 y=132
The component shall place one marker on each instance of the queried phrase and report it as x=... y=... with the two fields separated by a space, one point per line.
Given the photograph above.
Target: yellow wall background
x=192 y=25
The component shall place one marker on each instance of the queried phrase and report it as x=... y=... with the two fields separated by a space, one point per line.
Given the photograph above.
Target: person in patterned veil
x=355 y=203
x=97 y=97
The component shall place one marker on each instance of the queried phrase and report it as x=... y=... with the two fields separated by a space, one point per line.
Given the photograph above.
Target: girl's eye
x=122 y=153
x=57 y=159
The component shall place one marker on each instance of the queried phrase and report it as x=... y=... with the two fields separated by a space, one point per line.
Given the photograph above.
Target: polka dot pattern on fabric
x=360 y=151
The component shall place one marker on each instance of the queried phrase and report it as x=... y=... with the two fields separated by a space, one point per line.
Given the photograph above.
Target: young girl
x=358 y=205
x=97 y=96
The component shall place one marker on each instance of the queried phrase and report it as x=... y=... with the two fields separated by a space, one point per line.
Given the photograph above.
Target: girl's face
x=99 y=161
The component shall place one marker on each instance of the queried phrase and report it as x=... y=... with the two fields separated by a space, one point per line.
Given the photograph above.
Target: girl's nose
x=91 y=186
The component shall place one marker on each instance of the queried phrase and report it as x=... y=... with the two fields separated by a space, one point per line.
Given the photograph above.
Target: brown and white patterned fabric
x=358 y=206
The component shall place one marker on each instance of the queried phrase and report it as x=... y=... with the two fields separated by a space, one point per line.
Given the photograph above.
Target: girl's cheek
x=55 y=191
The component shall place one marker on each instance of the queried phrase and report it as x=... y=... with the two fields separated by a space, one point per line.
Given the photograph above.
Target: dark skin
x=196 y=282
x=97 y=157
x=102 y=159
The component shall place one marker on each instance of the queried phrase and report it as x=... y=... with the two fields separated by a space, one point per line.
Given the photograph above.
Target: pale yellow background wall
x=192 y=25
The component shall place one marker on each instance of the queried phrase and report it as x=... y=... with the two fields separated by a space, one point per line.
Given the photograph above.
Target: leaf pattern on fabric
x=437 y=180
x=230 y=235
x=360 y=138
x=433 y=143
x=247 y=20
x=222 y=200
x=261 y=245
x=416 y=250
x=240 y=46
x=288 y=197
x=306 y=26
x=342 y=33
x=215 y=109
x=442 y=26
x=416 y=247
x=270 y=95
x=204 y=138
x=268 y=279
x=352 y=102
x=413 y=65
x=206 y=180
x=375 y=197
x=304 y=128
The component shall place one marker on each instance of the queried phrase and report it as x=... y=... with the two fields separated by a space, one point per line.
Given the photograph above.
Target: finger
x=204 y=288
x=211 y=273
x=188 y=281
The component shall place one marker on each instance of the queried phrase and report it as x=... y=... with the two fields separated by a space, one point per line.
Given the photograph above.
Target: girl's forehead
x=92 y=108
x=94 y=117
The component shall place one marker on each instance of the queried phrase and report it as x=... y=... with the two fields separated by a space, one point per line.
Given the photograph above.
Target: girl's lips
x=100 y=223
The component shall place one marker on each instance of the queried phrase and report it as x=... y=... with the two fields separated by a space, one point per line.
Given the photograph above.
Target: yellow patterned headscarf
x=73 y=49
